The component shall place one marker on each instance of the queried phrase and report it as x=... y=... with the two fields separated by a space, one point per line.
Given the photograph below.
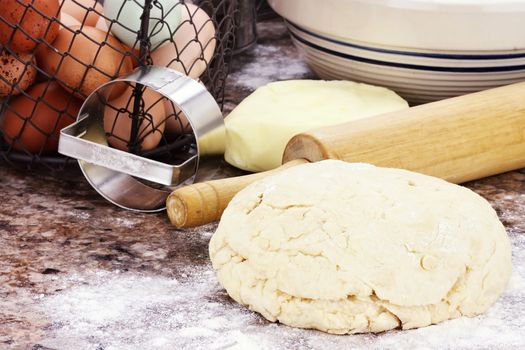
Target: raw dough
x=350 y=248
x=259 y=128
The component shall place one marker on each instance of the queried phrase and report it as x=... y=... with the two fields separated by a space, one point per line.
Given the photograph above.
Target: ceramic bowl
x=425 y=50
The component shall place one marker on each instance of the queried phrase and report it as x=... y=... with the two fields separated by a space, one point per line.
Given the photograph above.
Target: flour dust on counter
x=124 y=310
x=273 y=59
x=277 y=67
x=119 y=310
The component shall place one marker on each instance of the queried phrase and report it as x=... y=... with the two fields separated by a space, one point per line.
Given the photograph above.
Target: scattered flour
x=269 y=67
x=122 y=310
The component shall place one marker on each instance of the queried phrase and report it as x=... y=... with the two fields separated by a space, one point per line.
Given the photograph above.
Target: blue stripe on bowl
x=409 y=66
x=409 y=53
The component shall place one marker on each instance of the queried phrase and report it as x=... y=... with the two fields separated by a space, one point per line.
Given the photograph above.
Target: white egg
x=193 y=44
x=165 y=17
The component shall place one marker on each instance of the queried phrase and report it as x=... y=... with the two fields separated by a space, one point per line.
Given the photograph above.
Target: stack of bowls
x=425 y=50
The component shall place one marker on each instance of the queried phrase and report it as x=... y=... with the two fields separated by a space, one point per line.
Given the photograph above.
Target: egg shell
x=19 y=14
x=193 y=44
x=36 y=127
x=81 y=62
x=117 y=124
x=17 y=72
x=68 y=21
x=123 y=20
x=86 y=12
x=101 y=24
x=176 y=121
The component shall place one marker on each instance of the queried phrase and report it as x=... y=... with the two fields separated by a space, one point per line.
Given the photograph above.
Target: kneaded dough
x=259 y=128
x=351 y=248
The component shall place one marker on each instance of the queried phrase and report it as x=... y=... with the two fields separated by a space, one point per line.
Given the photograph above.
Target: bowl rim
x=459 y=25
x=452 y=5
x=419 y=53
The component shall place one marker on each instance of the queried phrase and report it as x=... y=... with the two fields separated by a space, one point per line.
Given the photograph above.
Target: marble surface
x=79 y=273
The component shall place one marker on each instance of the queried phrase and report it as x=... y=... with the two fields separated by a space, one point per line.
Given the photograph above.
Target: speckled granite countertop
x=78 y=273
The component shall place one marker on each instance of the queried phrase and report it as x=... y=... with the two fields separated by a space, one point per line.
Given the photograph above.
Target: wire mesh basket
x=55 y=53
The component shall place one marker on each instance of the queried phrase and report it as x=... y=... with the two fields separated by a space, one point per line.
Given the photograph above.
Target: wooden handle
x=204 y=202
x=458 y=139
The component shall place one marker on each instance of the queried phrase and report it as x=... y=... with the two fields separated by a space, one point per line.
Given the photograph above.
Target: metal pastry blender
x=132 y=181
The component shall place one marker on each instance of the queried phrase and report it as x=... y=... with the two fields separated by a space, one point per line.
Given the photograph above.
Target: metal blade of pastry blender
x=84 y=140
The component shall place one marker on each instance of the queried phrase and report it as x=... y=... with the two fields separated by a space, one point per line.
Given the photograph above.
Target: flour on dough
x=259 y=128
x=351 y=248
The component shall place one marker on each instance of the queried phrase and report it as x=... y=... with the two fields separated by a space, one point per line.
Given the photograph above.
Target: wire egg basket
x=55 y=53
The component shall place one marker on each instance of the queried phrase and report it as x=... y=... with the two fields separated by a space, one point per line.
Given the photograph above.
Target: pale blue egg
x=123 y=18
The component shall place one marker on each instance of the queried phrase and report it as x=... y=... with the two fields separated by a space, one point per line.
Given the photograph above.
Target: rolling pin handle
x=204 y=202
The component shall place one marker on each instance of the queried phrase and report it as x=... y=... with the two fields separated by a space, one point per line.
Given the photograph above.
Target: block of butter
x=259 y=128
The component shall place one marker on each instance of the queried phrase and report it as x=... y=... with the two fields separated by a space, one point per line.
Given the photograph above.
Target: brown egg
x=176 y=121
x=17 y=14
x=68 y=21
x=102 y=25
x=193 y=44
x=17 y=73
x=118 y=120
x=82 y=61
x=83 y=11
x=35 y=126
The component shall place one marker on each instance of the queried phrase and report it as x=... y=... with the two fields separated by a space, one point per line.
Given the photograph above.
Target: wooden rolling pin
x=458 y=139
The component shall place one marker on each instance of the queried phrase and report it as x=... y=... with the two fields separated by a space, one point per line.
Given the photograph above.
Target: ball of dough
x=259 y=128
x=351 y=248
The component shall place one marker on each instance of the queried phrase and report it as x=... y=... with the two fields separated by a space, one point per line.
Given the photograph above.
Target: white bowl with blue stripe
x=437 y=60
